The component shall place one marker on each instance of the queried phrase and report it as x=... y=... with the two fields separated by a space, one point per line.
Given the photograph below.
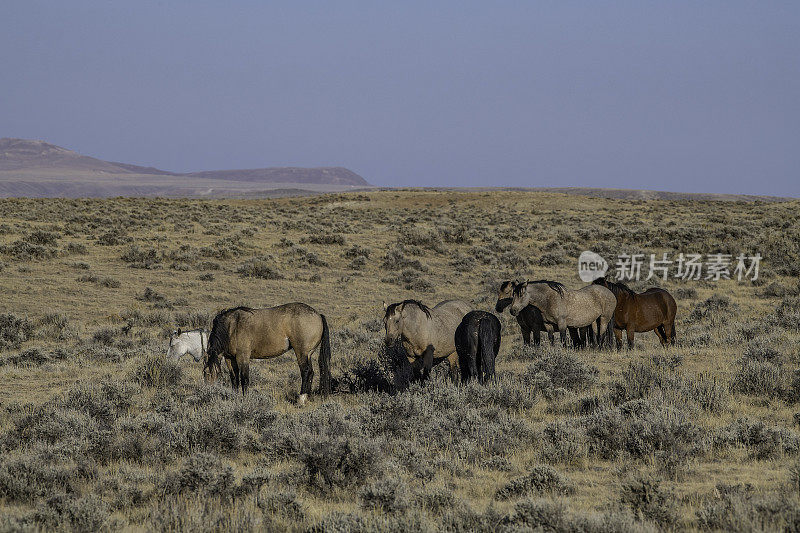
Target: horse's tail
x=325 y=358
x=487 y=339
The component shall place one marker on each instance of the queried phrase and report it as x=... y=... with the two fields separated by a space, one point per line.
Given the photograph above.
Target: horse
x=477 y=341
x=592 y=305
x=242 y=333
x=427 y=334
x=194 y=342
x=530 y=320
x=653 y=309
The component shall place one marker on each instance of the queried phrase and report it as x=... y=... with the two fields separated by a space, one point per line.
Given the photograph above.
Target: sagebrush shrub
x=541 y=479
x=386 y=495
x=559 y=369
x=259 y=267
x=645 y=497
x=155 y=370
x=14 y=331
x=146 y=258
x=68 y=512
x=201 y=473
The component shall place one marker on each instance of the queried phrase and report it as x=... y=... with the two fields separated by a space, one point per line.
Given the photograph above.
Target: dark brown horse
x=653 y=309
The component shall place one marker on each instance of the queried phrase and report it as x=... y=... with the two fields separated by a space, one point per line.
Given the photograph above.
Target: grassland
x=99 y=432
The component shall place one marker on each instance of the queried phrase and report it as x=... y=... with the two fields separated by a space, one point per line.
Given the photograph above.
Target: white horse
x=194 y=342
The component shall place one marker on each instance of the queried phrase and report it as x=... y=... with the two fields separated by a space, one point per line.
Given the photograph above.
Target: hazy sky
x=682 y=96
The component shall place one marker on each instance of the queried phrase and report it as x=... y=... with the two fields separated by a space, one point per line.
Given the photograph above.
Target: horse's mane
x=195 y=330
x=219 y=338
x=240 y=308
x=392 y=307
x=615 y=287
x=555 y=285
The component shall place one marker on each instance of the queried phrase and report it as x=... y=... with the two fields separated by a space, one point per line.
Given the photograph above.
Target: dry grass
x=99 y=432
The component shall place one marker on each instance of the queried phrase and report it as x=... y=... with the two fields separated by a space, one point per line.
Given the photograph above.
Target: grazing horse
x=653 y=309
x=242 y=333
x=477 y=342
x=426 y=333
x=194 y=342
x=592 y=305
x=530 y=320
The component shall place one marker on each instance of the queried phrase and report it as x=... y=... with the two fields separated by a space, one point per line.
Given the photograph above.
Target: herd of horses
x=468 y=339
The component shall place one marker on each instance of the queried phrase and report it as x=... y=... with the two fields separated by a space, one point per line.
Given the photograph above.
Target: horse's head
x=393 y=322
x=505 y=295
x=520 y=298
x=212 y=370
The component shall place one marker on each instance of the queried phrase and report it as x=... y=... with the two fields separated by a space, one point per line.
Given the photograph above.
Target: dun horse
x=530 y=320
x=427 y=333
x=653 y=309
x=589 y=306
x=242 y=333
x=477 y=342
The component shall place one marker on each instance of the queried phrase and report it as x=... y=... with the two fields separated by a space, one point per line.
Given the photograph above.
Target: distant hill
x=622 y=194
x=40 y=169
x=329 y=175
x=22 y=154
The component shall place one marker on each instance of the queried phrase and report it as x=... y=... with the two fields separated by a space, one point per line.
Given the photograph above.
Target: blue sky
x=681 y=96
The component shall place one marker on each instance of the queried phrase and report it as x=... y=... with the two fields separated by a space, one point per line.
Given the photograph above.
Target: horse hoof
x=301 y=401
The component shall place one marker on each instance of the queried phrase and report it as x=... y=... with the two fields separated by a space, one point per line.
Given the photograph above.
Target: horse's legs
x=244 y=375
x=661 y=334
x=618 y=337
x=233 y=368
x=475 y=369
x=306 y=376
x=452 y=360
x=550 y=334
x=416 y=368
x=669 y=330
x=630 y=333
x=427 y=361
x=526 y=332
x=575 y=335
x=537 y=337
x=598 y=341
x=562 y=329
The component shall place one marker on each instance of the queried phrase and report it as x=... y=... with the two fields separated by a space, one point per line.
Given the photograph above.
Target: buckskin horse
x=531 y=322
x=241 y=334
x=427 y=334
x=592 y=305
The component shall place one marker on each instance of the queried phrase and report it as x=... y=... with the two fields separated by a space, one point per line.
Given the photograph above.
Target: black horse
x=477 y=342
